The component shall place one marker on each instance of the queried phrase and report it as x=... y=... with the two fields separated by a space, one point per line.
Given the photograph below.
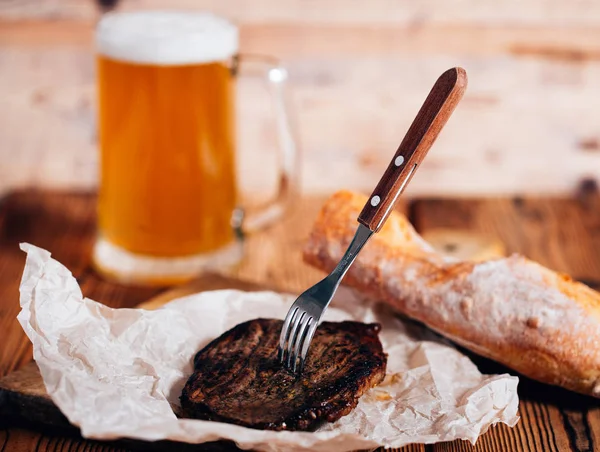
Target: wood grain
x=397 y=13
x=441 y=101
x=356 y=75
x=561 y=233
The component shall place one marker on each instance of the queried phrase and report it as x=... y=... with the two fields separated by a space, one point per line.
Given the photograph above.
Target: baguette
x=538 y=322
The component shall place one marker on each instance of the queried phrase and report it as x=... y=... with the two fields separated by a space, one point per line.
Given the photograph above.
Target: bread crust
x=538 y=322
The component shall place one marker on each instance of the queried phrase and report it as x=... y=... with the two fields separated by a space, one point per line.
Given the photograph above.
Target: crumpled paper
x=119 y=372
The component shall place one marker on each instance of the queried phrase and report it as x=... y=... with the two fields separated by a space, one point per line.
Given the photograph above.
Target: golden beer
x=167 y=162
x=167 y=192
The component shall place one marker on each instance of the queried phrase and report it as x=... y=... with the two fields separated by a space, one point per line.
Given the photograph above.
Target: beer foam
x=166 y=37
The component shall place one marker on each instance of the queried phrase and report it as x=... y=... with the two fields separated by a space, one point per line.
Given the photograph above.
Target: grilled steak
x=238 y=379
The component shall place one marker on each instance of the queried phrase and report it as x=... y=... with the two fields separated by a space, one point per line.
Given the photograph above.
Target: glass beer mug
x=168 y=204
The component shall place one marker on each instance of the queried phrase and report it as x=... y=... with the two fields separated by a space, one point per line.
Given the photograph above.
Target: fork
x=305 y=314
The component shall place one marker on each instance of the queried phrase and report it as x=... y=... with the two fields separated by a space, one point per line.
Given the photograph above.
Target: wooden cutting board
x=22 y=392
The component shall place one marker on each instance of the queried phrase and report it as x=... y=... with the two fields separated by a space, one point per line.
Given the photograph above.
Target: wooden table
x=561 y=234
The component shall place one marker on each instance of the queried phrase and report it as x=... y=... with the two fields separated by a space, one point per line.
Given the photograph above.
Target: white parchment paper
x=118 y=372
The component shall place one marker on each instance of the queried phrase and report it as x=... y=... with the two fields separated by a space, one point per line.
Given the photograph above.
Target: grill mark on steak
x=238 y=379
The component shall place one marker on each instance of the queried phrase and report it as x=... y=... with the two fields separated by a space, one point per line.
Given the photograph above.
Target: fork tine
x=285 y=332
x=302 y=330
x=306 y=342
x=290 y=344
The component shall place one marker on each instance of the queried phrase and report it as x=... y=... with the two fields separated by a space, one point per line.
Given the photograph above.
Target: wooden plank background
x=530 y=121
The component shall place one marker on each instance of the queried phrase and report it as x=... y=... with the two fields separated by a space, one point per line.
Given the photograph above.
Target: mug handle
x=268 y=68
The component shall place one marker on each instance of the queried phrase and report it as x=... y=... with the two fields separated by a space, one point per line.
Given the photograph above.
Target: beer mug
x=168 y=202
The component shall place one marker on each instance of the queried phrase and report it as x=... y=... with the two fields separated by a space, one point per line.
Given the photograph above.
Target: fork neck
x=362 y=235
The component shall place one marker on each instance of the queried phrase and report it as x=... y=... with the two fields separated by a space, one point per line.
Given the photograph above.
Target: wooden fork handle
x=437 y=108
